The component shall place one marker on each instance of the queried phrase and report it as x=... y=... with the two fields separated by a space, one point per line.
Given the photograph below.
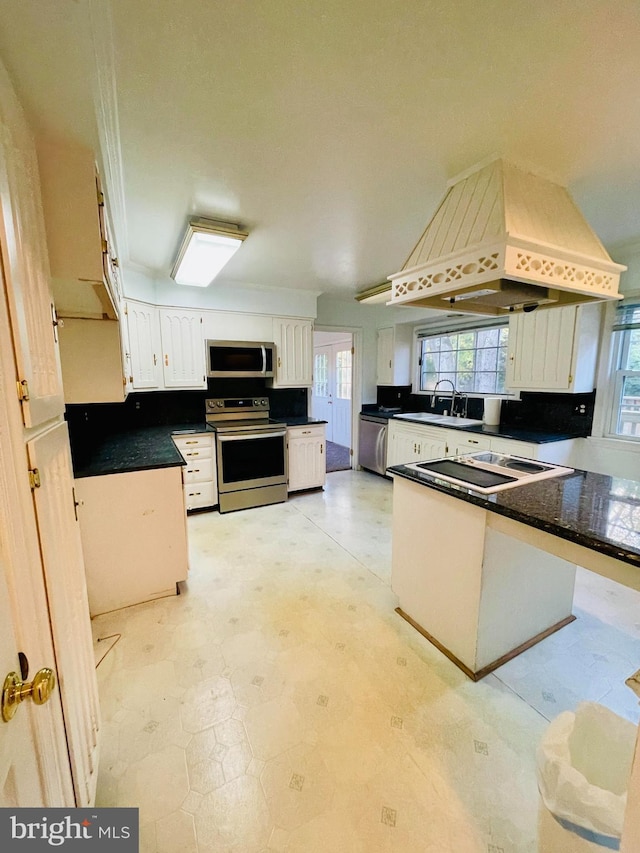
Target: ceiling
x=328 y=129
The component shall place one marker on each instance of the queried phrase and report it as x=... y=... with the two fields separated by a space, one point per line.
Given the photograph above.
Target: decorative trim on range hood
x=505 y=240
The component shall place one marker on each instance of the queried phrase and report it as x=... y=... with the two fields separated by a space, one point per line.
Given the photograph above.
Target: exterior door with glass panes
x=332 y=383
x=473 y=359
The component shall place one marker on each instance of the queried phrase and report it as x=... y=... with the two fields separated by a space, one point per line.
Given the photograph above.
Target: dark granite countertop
x=298 y=421
x=533 y=436
x=597 y=511
x=134 y=450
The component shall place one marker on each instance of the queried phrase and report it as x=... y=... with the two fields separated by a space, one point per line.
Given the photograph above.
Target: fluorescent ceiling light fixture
x=379 y=293
x=207 y=246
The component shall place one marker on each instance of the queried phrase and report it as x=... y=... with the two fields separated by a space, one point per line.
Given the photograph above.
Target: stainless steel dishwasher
x=372 y=453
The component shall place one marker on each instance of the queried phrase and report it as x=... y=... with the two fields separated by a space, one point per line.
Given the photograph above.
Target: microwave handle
x=264 y=360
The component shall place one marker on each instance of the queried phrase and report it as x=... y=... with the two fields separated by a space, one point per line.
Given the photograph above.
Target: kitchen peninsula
x=132 y=517
x=484 y=577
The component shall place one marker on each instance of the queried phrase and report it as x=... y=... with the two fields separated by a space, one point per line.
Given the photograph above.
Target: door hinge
x=353 y=350
x=570 y=379
x=23 y=390
x=34 y=478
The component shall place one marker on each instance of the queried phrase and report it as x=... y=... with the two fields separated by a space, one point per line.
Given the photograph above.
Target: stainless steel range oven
x=251 y=452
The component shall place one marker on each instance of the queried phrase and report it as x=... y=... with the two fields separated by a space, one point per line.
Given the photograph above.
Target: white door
x=34 y=763
x=322 y=400
x=332 y=388
x=36 y=539
x=61 y=548
x=342 y=376
x=20 y=783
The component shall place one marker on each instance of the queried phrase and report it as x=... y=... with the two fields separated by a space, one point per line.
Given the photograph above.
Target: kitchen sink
x=440 y=420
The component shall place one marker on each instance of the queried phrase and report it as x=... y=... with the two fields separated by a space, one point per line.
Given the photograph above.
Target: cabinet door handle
x=166 y=360
x=472 y=441
x=155 y=359
x=191 y=442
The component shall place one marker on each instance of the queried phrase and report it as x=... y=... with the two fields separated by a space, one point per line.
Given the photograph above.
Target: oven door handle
x=243 y=436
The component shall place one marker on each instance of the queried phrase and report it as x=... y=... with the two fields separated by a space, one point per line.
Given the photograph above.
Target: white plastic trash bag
x=584 y=763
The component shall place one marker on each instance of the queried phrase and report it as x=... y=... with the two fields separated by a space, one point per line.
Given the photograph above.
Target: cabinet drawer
x=306 y=432
x=194 y=446
x=199 y=494
x=468 y=443
x=198 y=470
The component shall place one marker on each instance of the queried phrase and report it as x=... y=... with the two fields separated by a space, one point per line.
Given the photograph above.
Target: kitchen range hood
x=504 y=240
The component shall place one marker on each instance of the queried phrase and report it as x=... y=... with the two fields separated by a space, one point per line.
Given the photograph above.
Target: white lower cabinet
x=199 y=476
x=414 y=443
x=137 y=551
x=463 y=442
x=306 y=457
x=417 y=443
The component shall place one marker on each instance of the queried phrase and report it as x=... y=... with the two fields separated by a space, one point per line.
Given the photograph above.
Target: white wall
x=277 y=301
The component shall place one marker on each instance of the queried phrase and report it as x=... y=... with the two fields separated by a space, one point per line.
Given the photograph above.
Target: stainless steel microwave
x=240 y=359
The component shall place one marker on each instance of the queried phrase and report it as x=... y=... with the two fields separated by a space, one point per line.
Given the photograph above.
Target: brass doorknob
x=15 y=691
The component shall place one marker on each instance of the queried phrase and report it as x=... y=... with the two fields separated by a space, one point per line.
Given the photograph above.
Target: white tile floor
x=279 y=703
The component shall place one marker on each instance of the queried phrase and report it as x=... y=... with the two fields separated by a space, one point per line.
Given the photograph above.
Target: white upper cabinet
x=294 y=352
x=166 y=346
x=232 y=326
x=92 y=361
x=25 y=266
x=555 y=349
x=83 y=265
x=145 y=348
x=84 y=273
x=394 y=355
x=183 y=356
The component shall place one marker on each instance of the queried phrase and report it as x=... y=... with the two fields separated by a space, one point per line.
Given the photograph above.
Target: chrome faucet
x=453 y=394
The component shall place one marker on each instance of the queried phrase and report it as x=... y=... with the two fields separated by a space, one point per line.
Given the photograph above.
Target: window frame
x=471 y=325
x=619 y=346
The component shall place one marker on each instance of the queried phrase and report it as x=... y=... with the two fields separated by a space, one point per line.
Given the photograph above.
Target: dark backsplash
x=555 y=413
x=552 y=412
x=159 y=408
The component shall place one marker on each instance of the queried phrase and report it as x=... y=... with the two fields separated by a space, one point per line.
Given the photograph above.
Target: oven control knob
x=219 y=404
